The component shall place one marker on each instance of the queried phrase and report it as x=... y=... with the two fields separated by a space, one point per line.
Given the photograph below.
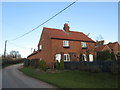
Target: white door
x=58 y=57
x=90 y=57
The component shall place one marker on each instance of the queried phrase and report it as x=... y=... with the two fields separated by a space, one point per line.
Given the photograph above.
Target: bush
x=57 y=65
x=61 y=64
x=43 y=65
x=103 y=55
x=6 y=61
x=81 y=57
x=26 y=63
x=113 y=56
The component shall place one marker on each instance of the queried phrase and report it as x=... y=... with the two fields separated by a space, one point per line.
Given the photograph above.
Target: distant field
x=75 y=79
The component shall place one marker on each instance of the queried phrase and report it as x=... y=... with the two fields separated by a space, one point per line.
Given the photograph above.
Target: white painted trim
x=68 y=58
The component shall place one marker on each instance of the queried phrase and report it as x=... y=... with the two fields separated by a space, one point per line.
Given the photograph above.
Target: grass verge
x=74 y=79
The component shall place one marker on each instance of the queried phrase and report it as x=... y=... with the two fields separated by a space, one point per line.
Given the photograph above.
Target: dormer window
x=83 y=44
x=40 y=47
x=65 y=43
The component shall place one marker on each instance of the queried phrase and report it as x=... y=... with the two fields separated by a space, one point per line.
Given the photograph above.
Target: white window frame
x=90 y=58
x=40 y=47
x=67 y=57
x=83 y=44
x=85 y=57
x=65 y=43
x=58 y=57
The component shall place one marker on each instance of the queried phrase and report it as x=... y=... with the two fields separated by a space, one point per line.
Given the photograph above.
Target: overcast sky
x=96 y=18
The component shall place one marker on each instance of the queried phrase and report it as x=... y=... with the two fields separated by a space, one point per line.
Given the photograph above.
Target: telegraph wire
x=18 y=45
x=44 y=21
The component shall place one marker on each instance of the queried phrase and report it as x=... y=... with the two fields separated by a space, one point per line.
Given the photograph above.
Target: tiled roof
x=71 y=35
x=35 y=52
x=111 y=45
x=100 y=48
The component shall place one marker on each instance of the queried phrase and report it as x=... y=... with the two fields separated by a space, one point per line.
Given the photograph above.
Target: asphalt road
x=13 y=78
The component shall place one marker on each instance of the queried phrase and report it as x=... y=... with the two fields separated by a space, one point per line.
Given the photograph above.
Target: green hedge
x=6 y=62
x=43 y=65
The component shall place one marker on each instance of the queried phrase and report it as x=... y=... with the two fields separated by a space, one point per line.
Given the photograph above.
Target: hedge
x=6 y=62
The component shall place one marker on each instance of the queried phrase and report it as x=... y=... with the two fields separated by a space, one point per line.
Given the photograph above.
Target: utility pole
x=31 y=49
x=5 y=48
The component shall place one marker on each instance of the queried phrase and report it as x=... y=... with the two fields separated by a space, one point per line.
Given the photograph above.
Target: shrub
x=81 y=57
x=26 y=63
x=61 y=64
x=57 y=64
x=32 y=62
x=6 y=61
x=43 y=65
x=94 y=57
x=113 y=56
x=103 y=55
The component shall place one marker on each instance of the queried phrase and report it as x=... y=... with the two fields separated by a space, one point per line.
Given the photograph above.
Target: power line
x=44 y=21
x=18 y=45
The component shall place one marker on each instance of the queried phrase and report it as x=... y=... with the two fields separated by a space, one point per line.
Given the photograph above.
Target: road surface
x=13 y=78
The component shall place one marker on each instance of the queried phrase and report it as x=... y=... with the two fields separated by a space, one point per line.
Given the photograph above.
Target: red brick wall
x=45 y=53
x=116 y=48
x=75 y=46
x=52 y=46
x=106 y=48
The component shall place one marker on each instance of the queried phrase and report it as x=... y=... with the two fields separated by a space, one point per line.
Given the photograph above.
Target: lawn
x=74 y=79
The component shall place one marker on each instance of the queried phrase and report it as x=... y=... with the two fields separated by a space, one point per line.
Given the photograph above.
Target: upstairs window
x=40 y=47
x=65 y=43
x=83 y=44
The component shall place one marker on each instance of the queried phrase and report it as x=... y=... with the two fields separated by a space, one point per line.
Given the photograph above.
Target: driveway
x=13 y=78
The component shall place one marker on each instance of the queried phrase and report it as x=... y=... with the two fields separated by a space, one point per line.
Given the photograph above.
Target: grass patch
x=74 y=79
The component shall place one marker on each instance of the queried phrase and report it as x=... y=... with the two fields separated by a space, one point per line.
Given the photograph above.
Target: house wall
x=116 y=48
x=75 y=47
x=45 y=53
x=106 y=48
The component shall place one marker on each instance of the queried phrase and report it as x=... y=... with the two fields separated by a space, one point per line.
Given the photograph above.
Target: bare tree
x=100 y=37
x=15 y=54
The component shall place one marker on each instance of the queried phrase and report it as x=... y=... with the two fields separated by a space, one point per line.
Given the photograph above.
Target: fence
x=96 y=66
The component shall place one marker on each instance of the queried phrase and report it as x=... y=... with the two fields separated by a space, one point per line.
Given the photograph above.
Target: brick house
x=57 y=44
x=115 y=47
x=102 y=48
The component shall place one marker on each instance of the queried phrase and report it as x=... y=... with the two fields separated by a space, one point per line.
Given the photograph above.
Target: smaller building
x=99 y=43
x=111 y=47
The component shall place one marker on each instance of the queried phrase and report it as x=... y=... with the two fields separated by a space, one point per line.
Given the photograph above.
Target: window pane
x=83 y=44
x=65 y=43
x=40 y=47
x=67 y=57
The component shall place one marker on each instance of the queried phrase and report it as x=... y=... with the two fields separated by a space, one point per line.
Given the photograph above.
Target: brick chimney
x=66 y=27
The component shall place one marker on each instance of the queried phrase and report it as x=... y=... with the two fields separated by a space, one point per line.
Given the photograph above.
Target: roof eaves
x=72 y=39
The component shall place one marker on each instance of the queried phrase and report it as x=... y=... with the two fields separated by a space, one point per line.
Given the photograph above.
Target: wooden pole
x=5 y=48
